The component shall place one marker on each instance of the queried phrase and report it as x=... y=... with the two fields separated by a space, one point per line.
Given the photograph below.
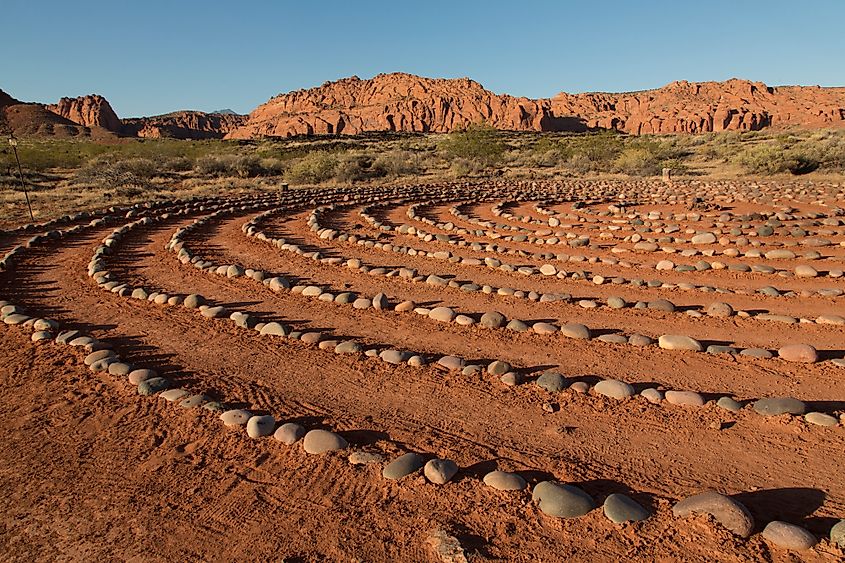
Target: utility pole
x=14 y=143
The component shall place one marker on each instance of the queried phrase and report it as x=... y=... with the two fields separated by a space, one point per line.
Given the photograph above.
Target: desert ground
x=504 y=366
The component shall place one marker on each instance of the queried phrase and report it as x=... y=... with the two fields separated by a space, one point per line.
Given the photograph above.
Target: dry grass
x=66 y=175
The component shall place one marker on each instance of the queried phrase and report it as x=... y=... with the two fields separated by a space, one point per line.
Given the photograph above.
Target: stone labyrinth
x=679 y=338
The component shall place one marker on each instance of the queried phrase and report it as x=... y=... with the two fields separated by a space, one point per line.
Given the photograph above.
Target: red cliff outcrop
x=91 y=111
x=403 y=102
x=23 y=119
x=183 y=125
x=391 y=102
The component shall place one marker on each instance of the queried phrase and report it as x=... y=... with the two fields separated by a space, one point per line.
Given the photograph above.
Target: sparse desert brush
x=242 y=166
x=776 y=157
x=103 y=171
x=647 y=157
x=477 y=142
x=313 y=168
x=399 y=162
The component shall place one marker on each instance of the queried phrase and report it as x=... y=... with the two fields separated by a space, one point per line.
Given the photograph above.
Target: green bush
x=477 y=142
x=647 y=157
x=775 y=158
x=313 y=168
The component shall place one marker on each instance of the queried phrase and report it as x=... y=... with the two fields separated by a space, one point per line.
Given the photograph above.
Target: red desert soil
x=92 y=470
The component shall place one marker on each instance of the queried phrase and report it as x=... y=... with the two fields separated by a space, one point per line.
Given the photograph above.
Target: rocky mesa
x=90 y=111
x=183 y=125
x=401 y=102
x=404 y=102
x=27 y=119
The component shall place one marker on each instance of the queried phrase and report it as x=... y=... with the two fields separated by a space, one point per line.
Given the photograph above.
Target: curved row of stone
x=714 y=309
x=551 y=270
x=556 y=499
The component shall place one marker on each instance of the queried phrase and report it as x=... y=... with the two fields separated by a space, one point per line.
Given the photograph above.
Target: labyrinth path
x=591 y=368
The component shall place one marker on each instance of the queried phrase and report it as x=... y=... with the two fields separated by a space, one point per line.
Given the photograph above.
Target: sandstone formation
x=183 y=125
x=403 y=102
x=24 y=119
x=91 y=111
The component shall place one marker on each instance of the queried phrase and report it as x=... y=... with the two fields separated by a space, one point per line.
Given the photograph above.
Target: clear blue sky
x=150 y=56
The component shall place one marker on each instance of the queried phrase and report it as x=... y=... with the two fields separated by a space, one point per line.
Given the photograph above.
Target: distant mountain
x=224 y=112
x=28 y=119
x=404 y=102
x=183 y=125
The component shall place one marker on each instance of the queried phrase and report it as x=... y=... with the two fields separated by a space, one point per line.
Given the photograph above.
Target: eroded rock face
x=91 y=111
x=403 y=102
x=696 y=107
x=183 y=125
x=393 y=102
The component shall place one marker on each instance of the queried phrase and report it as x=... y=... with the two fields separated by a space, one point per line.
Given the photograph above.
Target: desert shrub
x=647 y=157
x=242 y=166
x=477 y=142
x=272 y=166
x=396 y=163
x=176 y=164
x=777 y=157
x=581 y=154
x=461 y=167
x=354 y=168
x=313 y=168
x=102 y=171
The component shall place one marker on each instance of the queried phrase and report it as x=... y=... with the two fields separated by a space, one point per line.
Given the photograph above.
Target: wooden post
x=14 y=143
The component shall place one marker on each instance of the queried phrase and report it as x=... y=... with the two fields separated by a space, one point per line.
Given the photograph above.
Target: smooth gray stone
x=402 y=466
x=193 y=401
x=729 y=404
x=440 y=471
x=837 y=533
x=273 y=329
x=66 y=336
x=258 y=426
x=719 y=349
x=552 y=381
x=120 y=368
x=498 y=367
x=348 y=347
x=620 y=508
x=756 y=353
x=322 y=441
x=517 y=326
x=194 y=301
x=614 y=389
x=575 y=330
x=774 y=406
x=789 y=536
x=235 y=417
x=289 y=433
x=451 y=362
x=562 y=501
x=728 y=512
x=152 y=386
x=493 y=319
x=652 y=395
x=821 y=419
x=504 y=481
x=395 y=357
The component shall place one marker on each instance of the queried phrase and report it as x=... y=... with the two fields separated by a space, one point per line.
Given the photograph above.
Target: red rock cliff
x=183 y=125
x=403 y=102
x=91 y=111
